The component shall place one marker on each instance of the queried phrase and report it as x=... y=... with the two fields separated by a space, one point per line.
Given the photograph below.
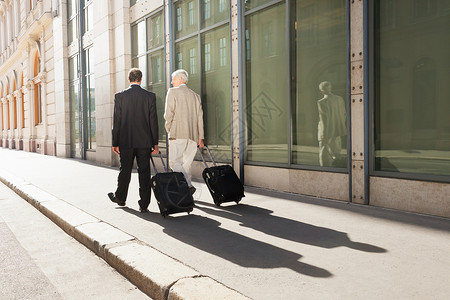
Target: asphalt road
x=40 y=261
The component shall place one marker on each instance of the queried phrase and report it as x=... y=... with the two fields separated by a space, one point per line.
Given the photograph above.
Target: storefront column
x=358 y=167
x=235 y=87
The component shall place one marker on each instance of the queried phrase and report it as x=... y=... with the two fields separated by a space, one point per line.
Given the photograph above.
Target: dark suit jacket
x=135 y=120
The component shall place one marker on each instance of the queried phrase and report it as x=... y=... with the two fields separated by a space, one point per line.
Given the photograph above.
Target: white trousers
x=181 y=156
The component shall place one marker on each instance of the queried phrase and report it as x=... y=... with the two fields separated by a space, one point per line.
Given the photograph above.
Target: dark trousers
x=127 y=156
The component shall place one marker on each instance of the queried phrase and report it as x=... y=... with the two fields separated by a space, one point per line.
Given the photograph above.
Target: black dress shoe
x=114 y=199
x=141 y=209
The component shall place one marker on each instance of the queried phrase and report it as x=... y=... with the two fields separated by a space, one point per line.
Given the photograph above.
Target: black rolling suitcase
x=222 y=182
x=171 y=191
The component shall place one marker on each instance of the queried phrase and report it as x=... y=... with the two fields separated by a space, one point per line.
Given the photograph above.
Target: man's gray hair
x=181 y=74
x=324 y=84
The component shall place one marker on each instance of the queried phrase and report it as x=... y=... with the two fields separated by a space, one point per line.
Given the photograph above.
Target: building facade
x=337 y=99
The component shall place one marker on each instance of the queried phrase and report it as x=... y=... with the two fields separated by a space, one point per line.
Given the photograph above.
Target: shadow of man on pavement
x=261 y=219
x=206 y=234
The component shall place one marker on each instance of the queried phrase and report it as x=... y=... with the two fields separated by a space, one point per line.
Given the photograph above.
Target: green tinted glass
x=412 y=124
x=187 y=58
x=213 y=11
x=216 y=91
x=266 y=75
x=185 y=17
x=157 y=84
x=155 y=31
x=318 y=110
x=250 y=4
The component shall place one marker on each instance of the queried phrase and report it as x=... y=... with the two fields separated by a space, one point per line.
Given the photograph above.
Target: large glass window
x=38 y=107
x=319 y=129
x=72 y=25
x=266 y=76
x=147 y=39
x=88 y=15
x=157 y=84
x=155 y=28
x=205 y=54
x=90 y=100
x=296 y=78
x=216 y=84
x=74 y=95
x=411 y=111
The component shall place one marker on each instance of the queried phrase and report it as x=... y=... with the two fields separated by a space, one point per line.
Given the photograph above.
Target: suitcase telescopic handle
x=203 y=158
x=162 y=160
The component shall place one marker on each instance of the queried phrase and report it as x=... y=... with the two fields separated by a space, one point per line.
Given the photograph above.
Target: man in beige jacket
x=184 y=125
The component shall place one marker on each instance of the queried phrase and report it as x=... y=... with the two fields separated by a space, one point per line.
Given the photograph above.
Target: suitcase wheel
x=238 y=199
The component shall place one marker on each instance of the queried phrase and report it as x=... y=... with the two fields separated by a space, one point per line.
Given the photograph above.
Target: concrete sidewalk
x=271 y=246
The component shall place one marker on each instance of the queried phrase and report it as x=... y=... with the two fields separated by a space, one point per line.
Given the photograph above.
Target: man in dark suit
x=134 y=135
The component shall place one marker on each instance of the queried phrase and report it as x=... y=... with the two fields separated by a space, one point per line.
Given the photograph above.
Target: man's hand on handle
x=201 y=144
x=155 y=150
x=116 y=150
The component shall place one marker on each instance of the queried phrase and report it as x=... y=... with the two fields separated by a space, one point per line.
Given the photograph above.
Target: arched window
x=1 y=103
x=14 y=104
x=22 y=101
x=7 y=108
x=37 y=92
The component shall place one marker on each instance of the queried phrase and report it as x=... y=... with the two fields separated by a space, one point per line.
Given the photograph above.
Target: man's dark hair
x=135 y=75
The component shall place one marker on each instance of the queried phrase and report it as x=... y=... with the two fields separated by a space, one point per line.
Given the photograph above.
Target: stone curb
x=156 y=274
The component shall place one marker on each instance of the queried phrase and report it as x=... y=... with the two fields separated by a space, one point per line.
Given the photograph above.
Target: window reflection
x=319 y=110
x=186 y=17
x=317 y=53
x=216 y=94
x=204 y=56
x=266 y=108
x=186 y=58
x=412 y=128
x=148 y=55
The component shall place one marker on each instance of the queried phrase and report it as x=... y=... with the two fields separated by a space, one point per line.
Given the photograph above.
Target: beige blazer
x=184 y=114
